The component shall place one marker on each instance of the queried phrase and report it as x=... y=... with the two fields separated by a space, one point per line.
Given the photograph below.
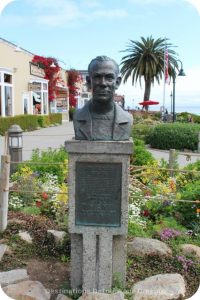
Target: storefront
x=61 y=102
x=23 y=87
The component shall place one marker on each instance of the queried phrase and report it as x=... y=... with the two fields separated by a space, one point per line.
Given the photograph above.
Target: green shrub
x=141 y=156
x=141 y=131
x=43 y=121
x=183 y=117
x=55 y=118
x=29 y=122
x=26 y=122
x=174 y=136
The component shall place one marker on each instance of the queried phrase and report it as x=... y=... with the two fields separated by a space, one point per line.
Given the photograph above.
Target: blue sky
x=75 y=31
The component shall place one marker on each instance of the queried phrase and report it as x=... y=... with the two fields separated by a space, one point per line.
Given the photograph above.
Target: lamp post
x=15 y=145
x=181 y=73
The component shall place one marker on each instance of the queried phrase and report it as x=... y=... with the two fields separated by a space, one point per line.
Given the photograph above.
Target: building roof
x=2 y=40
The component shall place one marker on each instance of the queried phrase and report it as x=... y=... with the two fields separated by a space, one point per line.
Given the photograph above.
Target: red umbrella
x=149 y=102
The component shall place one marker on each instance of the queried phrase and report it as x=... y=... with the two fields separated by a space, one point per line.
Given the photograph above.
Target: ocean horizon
x=178 y=109
x=190 y=109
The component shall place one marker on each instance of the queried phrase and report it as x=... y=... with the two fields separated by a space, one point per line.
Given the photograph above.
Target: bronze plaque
x=98 y=194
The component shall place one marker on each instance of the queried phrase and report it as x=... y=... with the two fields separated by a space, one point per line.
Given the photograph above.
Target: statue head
x=103 y=78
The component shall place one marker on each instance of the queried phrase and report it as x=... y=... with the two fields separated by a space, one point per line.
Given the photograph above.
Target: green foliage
x=174 y=136
x=141 y=156
x=29 y=122
x=183 y=117
x=43 y=121
x=55 y=162
x=26 y=122
x=135 y=229
x=141 y=131
x=186 y=212
x=55 y=118
x=31 y=210
x=145 y=59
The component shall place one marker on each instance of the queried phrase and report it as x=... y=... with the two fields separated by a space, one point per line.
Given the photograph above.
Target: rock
x=13 y=276
x=191 y=249
x=102 y=296
x=8 y=251
x=63 y=297
x=58 y=235
x=3 y=248
x=141 y=246
x=160 y=287
x=27 y=290
x=25 y=236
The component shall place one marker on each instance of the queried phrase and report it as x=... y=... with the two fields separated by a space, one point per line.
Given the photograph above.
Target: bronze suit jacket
x=83 y=124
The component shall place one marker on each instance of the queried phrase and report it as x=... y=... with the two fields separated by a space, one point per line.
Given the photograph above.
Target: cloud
x=61 y=13
x=195 y=3
x=4 y=3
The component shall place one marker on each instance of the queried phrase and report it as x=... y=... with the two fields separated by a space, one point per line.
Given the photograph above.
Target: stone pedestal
x=98 y=212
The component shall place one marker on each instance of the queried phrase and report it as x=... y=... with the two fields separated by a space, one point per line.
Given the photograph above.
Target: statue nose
x=103 y=81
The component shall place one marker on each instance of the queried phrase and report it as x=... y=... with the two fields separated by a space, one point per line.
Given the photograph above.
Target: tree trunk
x=147 y=92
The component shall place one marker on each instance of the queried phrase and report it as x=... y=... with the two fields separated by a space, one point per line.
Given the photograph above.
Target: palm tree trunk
x=147 y=92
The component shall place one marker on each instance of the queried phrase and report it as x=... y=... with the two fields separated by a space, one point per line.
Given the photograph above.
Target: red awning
x=149 y=102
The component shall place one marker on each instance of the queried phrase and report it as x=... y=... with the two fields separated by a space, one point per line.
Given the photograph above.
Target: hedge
x=141 y=131
x=174 y=136
x=29 y=122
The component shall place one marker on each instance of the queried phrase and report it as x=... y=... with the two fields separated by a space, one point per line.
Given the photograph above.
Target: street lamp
x=181 y=73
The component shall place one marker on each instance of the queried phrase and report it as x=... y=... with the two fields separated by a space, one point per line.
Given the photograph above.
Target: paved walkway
x=55 y=136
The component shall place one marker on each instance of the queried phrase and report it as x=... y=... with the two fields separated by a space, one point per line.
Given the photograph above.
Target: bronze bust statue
x=101 y=119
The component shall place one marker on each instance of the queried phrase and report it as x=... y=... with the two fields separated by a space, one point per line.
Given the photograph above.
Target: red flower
x=38 y=203
x=145 y=213
x=45 y=196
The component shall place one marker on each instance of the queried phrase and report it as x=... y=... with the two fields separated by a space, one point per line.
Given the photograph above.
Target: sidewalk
x=184 y=158
x=55 y=136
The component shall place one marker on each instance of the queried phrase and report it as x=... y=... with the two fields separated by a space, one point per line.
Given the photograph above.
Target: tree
x=145 y=59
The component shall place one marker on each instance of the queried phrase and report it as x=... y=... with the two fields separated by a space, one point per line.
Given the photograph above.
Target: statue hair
x=101 y=58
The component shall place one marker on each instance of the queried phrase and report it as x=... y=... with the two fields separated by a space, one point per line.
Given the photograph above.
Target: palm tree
x=146 y=59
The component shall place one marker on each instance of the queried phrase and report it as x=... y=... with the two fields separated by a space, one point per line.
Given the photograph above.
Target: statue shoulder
x=123 y=116
x=82 y=114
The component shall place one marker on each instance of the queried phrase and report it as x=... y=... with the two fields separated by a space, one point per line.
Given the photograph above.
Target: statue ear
x=118 y=81
x=88 y=81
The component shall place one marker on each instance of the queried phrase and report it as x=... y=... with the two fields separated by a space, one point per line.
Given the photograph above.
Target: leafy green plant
x=141 y=156
x=29 y=122
x=51 y=161
x=142 y=130
x=174 y=136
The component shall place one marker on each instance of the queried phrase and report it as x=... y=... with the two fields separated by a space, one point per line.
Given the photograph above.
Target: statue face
x=104 y=81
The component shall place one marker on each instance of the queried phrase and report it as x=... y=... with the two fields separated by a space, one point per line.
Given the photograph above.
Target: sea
x=190 y=109
x=178 y=109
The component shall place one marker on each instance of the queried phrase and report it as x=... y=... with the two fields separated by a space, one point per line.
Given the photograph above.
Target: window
x=40 y=98
x=6 y=93
x=7 y=78
x=8 y=101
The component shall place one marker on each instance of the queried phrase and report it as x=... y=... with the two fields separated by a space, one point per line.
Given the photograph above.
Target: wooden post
x=4 y=191
x=172 y=155
x=198 y=150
